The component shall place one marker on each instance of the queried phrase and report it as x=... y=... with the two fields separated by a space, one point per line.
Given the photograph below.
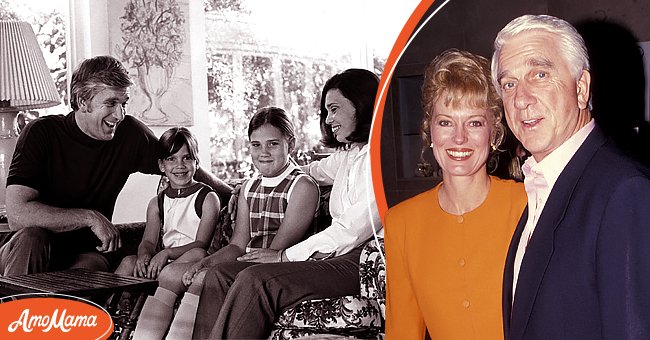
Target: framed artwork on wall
x=151 y=38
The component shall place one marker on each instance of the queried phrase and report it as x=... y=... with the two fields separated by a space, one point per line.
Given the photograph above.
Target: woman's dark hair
x=276 y=117
x=360 y=87
x=173 y=140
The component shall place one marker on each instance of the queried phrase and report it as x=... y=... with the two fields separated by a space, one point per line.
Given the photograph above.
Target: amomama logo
x=53 y=317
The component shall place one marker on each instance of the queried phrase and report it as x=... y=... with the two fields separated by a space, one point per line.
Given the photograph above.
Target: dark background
x=611 y=29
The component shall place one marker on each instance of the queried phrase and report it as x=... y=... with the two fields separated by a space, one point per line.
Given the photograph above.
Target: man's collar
x=553 y=164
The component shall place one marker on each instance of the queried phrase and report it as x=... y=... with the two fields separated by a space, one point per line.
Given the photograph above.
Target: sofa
x=360 y=316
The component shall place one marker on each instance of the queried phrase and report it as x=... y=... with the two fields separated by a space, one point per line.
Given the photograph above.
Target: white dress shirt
x=352 y=204
x=539 y=181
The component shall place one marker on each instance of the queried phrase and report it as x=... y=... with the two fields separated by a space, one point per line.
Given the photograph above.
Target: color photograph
x=515 y=172
x=168 y=164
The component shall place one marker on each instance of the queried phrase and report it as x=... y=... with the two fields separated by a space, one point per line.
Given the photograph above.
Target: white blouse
x=352 y=204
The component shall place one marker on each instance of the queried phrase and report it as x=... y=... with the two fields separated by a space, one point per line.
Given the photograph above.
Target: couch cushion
x=308 y=334
x=222 y=231
x=372 y=273
x=341 y=315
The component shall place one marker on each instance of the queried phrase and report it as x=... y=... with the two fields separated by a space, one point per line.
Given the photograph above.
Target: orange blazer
x=445 y=272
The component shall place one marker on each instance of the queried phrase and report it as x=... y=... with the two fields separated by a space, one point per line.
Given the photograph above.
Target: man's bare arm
x=24 y=210
x=224 y=190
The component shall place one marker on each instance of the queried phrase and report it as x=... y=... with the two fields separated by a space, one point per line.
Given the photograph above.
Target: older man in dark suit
x=579 y=262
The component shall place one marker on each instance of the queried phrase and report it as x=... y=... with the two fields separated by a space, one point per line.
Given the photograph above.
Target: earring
x=431 y=145
x=493 y=147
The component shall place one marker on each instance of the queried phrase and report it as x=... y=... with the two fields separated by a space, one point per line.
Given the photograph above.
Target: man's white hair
x=572 y=46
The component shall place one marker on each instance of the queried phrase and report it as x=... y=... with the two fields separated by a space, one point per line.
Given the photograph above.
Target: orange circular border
x=380 y=101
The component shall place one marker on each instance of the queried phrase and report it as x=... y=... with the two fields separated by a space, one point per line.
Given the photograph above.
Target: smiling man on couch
x=68 y=170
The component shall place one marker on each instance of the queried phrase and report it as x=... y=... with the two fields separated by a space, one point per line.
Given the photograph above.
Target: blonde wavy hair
x=461 y=78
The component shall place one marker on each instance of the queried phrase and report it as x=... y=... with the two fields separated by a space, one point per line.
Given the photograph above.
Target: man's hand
x=157 y=263
x=141 y=265
x=106 y=232
x=261 y=255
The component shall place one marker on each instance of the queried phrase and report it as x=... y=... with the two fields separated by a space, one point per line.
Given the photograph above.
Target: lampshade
x=25 y=80
x=25 y=84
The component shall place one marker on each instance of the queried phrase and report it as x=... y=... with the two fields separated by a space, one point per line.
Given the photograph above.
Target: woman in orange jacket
x=447 y=246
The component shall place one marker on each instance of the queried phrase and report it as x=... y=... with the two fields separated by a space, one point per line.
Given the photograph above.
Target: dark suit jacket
x=586 y=271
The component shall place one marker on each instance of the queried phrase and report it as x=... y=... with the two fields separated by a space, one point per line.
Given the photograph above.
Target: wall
x=87 y=31
x=610 y=27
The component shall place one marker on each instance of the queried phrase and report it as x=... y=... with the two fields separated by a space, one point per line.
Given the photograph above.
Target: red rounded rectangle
x=34 y=316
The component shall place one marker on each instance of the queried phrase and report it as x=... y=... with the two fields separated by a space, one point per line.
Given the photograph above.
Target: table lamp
x=25 y=84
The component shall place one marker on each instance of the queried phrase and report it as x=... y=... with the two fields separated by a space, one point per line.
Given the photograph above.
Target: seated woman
x=185 y=213
x=275 y=212
x=446 y=248
x=241 y=299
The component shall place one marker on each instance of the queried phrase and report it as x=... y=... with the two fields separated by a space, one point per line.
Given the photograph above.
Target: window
x=258 y=53
x=280 y=53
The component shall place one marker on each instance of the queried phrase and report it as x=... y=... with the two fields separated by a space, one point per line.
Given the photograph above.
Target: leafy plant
x=224 y=5
x=153 y=33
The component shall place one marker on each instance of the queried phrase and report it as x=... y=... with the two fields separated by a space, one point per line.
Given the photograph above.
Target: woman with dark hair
x=324 y=265
x=359 y=92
